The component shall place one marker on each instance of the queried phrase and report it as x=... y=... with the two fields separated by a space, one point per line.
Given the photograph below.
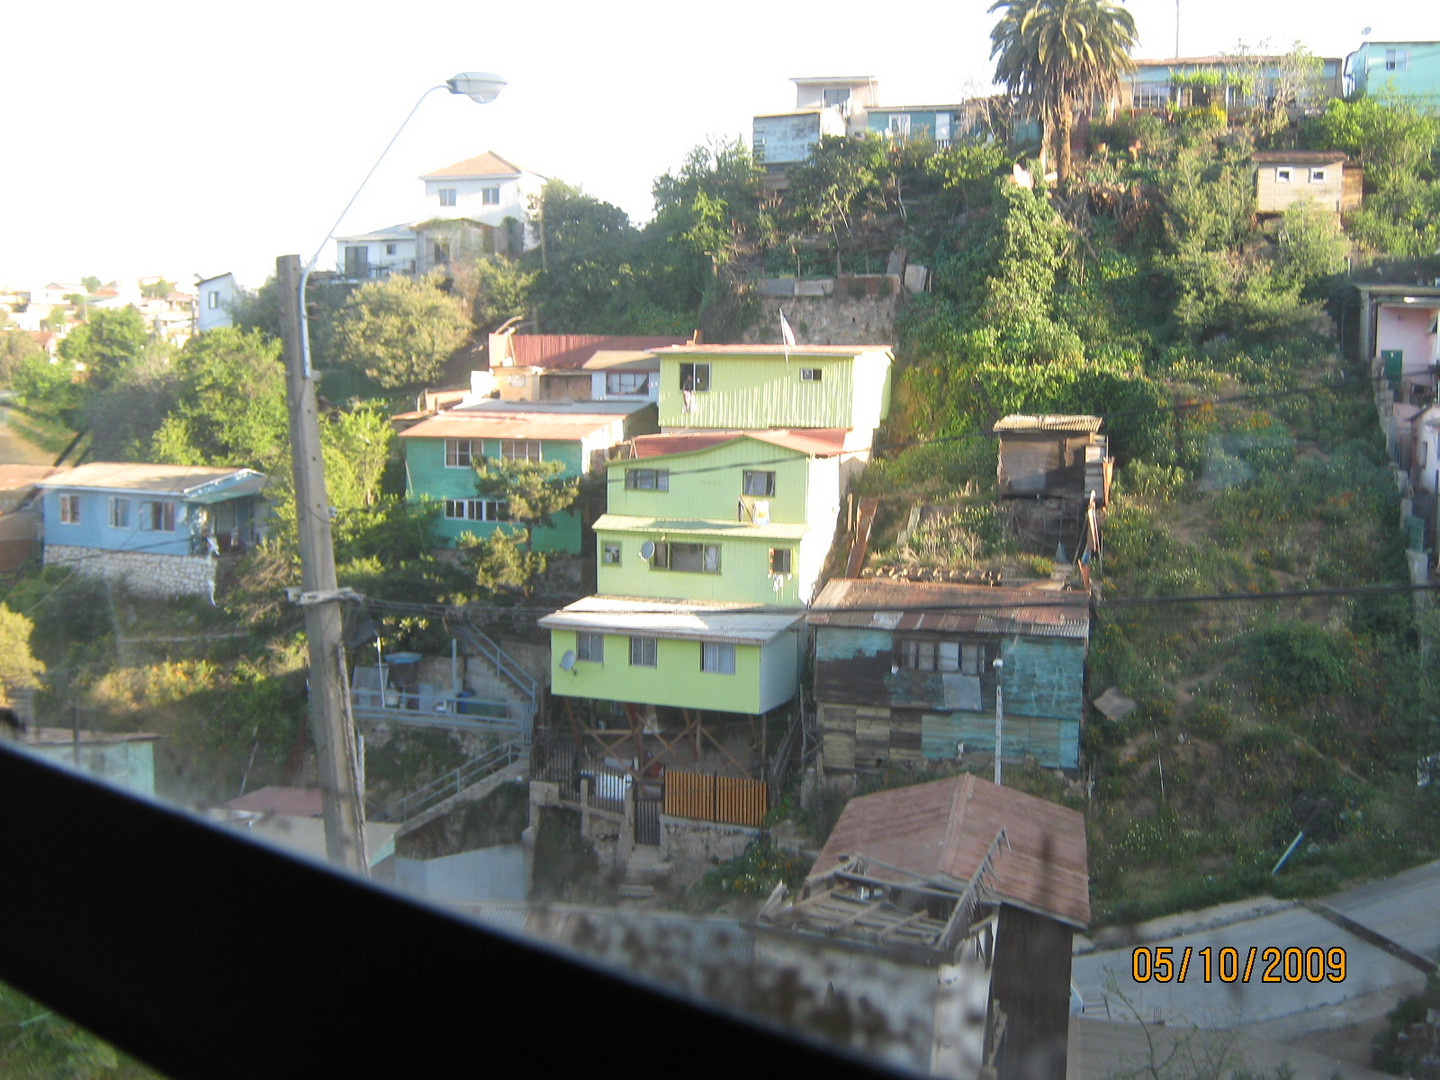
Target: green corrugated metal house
x=440 y=454
x=905 y=670
x=734 y=520
x=730 y=387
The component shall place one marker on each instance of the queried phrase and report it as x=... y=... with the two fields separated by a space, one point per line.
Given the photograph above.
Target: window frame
x=781 y=560
x=1283 y=174
x=623 y=383
x=483 y=510
x=931 y=654
x=659 y=479
x=156 y=515
x=530 y=450
x=648 y=650
x=610 y=553
x=448 y=196
x=709 y=556
x=723 y=662
x=490 y=196
x=698 y=374
x=812 y=374
x=590 y=646
x=1317 y=176
x=69 y=509
x=119 y=512
x=761 y=479
x=458 y=458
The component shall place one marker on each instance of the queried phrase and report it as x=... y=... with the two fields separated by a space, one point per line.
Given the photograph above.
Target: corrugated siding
x=1045 y=677
x=1055 y=744
x=760 y=392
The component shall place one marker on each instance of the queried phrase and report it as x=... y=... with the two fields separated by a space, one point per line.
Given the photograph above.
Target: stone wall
x=143 y=572
x=695 y=847
x=848 y=311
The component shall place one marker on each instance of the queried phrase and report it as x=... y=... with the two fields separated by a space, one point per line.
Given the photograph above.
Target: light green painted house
x=730 y=387
x=701 y=522
x=440 y=454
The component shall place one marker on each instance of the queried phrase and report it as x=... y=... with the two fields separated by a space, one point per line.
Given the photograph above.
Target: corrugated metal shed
x=924 y=606
x=1052 y=422
x=945 y=828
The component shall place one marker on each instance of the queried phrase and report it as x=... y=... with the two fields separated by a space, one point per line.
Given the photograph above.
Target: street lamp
x=999 y=666
x=332 y=725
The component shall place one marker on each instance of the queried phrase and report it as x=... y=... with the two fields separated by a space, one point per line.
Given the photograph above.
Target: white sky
x=192 y=140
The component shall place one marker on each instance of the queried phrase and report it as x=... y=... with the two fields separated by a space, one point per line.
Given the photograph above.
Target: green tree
x=16 y=347
x=91 y=283
x=355 y=445
x=533 y=489
x=106 y=344
x=496 y=290
x=1061 y=54
x=1312 y=245
x=19 y=670
x=157 y=290
x=400 y=331
x=230 y=404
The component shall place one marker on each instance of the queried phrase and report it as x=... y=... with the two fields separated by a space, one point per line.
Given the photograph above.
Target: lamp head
x=479 y=86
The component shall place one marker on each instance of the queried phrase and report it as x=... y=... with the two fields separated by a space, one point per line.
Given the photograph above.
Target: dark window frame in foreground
x=206 y=954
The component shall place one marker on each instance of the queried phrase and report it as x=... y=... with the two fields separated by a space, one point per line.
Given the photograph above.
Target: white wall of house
x=394 y=255
x=215 y=303
x=1427 y=450
x=1407 y=327
x=510 y=194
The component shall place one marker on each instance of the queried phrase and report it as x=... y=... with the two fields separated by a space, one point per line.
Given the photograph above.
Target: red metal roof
x=821 y=442
x=289 y=801
x=946 y=827
x=573 y=350
x=511 y=425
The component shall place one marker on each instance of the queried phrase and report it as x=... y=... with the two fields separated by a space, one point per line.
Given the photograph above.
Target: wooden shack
x=940 y=873
x=1049 y=466
x=1325 y=177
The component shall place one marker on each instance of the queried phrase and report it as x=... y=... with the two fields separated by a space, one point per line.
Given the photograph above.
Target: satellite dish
x=647 y=550
x=1365 y=32
x=567 y=662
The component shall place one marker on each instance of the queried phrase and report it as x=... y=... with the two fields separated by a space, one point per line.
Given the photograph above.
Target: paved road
x=1404 y=909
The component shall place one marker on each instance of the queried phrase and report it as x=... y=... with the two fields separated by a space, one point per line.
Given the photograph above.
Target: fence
x=730 y=800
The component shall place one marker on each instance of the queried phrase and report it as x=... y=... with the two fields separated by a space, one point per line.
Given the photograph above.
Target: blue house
x=1408 y=70
x=160 y=529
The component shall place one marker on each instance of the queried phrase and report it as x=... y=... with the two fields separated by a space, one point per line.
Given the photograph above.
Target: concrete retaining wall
x=144 y=572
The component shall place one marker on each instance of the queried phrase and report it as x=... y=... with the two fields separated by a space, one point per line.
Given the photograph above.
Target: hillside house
x=378 y=254
x=485 y=189
x=161 y=529
x=824 y=106
x=1049 y=466
x=906 y=670
x=1236 y=83
x=1323 y=177
x=1409 y=70
x=1398 y=335
x=20 y=519
x=215 y=302
x=749 y=387
x=441 y=452
x=984 y=885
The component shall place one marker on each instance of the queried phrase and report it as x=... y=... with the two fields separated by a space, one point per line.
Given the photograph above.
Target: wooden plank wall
x=861 y=739
x=730 y=800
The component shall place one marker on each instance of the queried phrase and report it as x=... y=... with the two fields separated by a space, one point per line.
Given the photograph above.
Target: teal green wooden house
x=442 y=451
x=906 y=670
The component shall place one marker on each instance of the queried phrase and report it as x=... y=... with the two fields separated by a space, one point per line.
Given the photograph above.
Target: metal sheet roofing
x=945 y=828
x=776 y=530
x=20 y=477
x=178 y=481
x=740 y=624
x=819 y=442
x=1022 y=422
x=1299 y=157
x=772 y=350
x=574 y=350
x=513 y=424
x=918 y=606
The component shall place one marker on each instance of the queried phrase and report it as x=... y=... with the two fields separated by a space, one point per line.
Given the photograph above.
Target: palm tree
x=1059 y=54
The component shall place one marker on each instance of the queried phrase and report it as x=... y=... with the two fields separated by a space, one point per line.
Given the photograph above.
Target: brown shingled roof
x=944 y=828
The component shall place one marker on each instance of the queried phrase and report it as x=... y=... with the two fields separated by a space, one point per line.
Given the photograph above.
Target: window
x=642 y=652
x=212 y=300
x=490 y=196
x=1282 y=176
x=695 y=377
x=459 y=453
x=837 y=95
x=1397 y=59
x=717 y=658
x=627 y=382
x=70 y=509
x=779 y=560
x=520 y=449
x=1150 y=95
x=953 y=656
x=447 y=196
x=441 y=251
x=477 y=510
x=899 y=126
x=1317 y=176
x=390 y=249
x=590 y=647
x=809 y=374
x=647 y=479
x=157 y=516
x=759 y=483
x=687 y=558
x=610 y=554
x=120 y=513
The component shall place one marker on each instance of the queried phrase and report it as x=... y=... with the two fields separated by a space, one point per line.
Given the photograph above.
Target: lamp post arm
x=309 y=266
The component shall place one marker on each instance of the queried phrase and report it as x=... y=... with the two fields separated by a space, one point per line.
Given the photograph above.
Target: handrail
x=482 y=643
x=453 y=782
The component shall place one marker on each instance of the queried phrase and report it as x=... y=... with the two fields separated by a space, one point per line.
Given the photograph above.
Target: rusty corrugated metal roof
x=574 y=350
x=945 y=828
x=1022 y=422
x=948 y=608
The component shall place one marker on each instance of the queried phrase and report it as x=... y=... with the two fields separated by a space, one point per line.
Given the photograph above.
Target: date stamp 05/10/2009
x=1270 y=964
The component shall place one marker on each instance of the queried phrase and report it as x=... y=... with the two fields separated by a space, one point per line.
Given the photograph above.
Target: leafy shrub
x=1293 y=663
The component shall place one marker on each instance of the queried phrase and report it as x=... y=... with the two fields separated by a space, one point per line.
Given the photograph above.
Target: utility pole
x=331 y=724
